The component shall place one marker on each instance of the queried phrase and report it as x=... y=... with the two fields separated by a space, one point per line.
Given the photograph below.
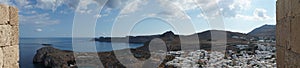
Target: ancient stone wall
x=9 y=37
x=288 y=33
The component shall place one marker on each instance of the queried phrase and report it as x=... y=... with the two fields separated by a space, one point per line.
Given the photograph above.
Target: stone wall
x=9 y=35
x=288 y=33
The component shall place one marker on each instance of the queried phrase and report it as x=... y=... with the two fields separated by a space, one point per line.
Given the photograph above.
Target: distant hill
x=207 y=34
x=264 y=31
x=204 y=37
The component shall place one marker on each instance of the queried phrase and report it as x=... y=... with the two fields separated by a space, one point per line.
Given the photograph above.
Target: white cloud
x=230 y=8
x=258 y=15
x=54 y=4
x=22 y=2
x=97 y=16
x=261 y=14
x=134 y=6
x=38 y=30
x=7 y=2
x=185 y=4
x=116 y=4
x=80 y=5
x=83 y=6
x=154 y=8
x=30 y=12
x=201 y=15
x=38 y=19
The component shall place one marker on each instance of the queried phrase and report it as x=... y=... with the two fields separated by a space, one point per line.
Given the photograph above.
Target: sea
x=29 y=46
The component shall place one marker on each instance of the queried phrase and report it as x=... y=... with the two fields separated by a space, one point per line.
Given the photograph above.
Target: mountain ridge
x=264 y=31
x=203 y=36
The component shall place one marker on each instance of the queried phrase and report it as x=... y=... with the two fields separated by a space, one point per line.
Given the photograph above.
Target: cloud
x=116 y=4
x=7 y=2
x=230 y=8
x=22 y=2
x=185 y=4
x=134 y=6
x=49 y=4
x=259 y=14
x=98 y=16
x=53 y=5
x=83 y=6
x=38 y=19
x=154 y=8
x=29 y=15
x=38 y=30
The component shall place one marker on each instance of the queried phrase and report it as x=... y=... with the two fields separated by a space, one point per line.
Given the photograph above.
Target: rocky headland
x=50 y=57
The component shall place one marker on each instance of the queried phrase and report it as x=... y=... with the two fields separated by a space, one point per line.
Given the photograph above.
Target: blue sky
x=54 y=18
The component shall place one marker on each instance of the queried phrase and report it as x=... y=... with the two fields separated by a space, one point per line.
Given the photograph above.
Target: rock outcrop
x=51 y=57
x=55 y=58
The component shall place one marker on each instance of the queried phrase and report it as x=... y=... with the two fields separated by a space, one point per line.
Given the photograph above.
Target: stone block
x=11 y=56
x=4 y=14
x=280 y=54
x=288 y=8
x=5 y=34
x=279 y=10
x=13 y=16
x=279 y=33
x=286 y=33
x=295 y=34
x=283 y=32
x=15 y=35
x=1 y=58
x=291 y=59
x=295 y=7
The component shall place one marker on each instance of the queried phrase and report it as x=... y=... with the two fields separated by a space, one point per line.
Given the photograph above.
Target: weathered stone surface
x=291 y=59
x=280 y=56
x=280 y=13
x=288 y=8
x=295 y=7
x=283 y=34
x=5 y=34
x=15 y=35
x=278 y=36
x=288 y=33
x=13 y=16
x=4 y=14
x=295 y=34
x=11 y=56
x=1 y=58
x=9 y=37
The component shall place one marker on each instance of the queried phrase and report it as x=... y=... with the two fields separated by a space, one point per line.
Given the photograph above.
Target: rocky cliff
x=54 y=58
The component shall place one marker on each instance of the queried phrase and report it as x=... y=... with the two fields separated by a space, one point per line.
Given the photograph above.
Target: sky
x=55 y=18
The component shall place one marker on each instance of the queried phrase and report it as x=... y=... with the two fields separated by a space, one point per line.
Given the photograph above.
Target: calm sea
x=29 y=46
